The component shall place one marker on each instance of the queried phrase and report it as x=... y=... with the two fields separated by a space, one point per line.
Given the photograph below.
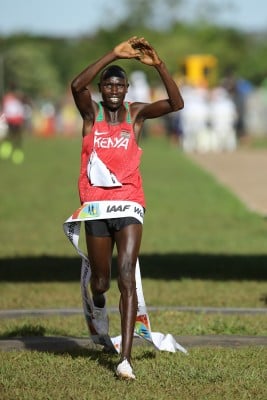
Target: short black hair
x=111 y=71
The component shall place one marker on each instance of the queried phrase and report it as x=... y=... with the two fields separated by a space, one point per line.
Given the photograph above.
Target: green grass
x=182 y=292
x=201 y=247
x=204 y=374
x=187 y=211
x=174 y=322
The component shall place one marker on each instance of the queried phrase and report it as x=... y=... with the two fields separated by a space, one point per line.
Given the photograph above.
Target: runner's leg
x=128 y=242
x=100 y=256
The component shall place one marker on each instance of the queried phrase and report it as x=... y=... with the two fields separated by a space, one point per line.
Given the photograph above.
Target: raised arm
x=80 y=85
x=174 y=102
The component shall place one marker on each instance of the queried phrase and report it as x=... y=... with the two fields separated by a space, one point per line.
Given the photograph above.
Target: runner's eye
x=110 y=86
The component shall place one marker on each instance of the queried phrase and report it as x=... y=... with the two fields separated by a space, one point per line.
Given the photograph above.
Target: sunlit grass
x=207 y=373
x=187 y=211
x=185 y=292
x=201 y=247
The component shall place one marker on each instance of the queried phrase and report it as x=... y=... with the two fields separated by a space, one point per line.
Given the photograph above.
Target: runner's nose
x=114 y=89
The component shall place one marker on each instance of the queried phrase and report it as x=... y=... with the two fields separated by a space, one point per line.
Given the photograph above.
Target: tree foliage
x=45 y=66
x=28 y=66
x=156 y=14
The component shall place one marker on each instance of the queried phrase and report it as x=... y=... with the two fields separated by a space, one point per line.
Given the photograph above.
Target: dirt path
x=63 y=344
x=244 y=172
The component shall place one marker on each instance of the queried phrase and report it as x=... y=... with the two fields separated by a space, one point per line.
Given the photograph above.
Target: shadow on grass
x=155 y=266
x=65 y=345
x=31 y=337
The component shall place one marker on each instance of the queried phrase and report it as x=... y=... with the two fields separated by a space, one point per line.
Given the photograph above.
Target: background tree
x=45 y=66
x=28 y=67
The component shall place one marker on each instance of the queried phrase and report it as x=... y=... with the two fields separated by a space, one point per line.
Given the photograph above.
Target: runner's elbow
x=75 y=86
x=177 y=105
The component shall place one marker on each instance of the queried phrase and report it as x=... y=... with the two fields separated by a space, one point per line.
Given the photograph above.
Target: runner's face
x=113 y=91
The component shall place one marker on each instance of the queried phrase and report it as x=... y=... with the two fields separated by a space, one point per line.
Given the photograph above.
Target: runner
x=110 y=160
x=13 y=111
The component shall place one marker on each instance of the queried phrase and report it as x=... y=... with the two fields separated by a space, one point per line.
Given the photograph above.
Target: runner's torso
x=116 y=147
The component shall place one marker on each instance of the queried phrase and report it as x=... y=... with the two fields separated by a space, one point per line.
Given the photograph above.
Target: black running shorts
x=106 y=227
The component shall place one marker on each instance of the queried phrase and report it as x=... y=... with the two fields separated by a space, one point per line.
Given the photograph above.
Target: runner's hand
x=147 y=55
x=126 y=50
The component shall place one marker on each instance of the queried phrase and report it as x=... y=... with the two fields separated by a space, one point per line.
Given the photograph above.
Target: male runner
x=110 y=162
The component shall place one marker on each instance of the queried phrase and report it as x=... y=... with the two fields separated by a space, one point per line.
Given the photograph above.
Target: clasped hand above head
x=138 y=48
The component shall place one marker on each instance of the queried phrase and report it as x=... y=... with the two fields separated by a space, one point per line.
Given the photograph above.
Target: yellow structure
x=200 y=69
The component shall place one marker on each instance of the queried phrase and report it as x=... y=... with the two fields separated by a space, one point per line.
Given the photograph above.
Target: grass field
x=201 y=247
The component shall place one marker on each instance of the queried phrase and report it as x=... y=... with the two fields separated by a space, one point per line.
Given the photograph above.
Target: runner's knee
x=126 y=277
x=99 y=285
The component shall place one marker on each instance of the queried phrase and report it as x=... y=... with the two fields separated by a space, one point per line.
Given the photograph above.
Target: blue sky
x=75 y=17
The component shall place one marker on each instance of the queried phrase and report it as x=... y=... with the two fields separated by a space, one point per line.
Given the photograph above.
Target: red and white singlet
x=116 y=147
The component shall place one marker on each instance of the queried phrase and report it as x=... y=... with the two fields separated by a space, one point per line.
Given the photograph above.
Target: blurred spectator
x=13 y=110
x=139 y=90
x=238 y=89
x=223 y=117
x=44 y=119
x=195 y=119
x=173 y=126
x=49 y=119
x=208 y=120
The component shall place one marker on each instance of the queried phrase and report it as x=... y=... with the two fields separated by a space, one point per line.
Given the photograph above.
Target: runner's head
x=113 y=71
x=113 y=86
